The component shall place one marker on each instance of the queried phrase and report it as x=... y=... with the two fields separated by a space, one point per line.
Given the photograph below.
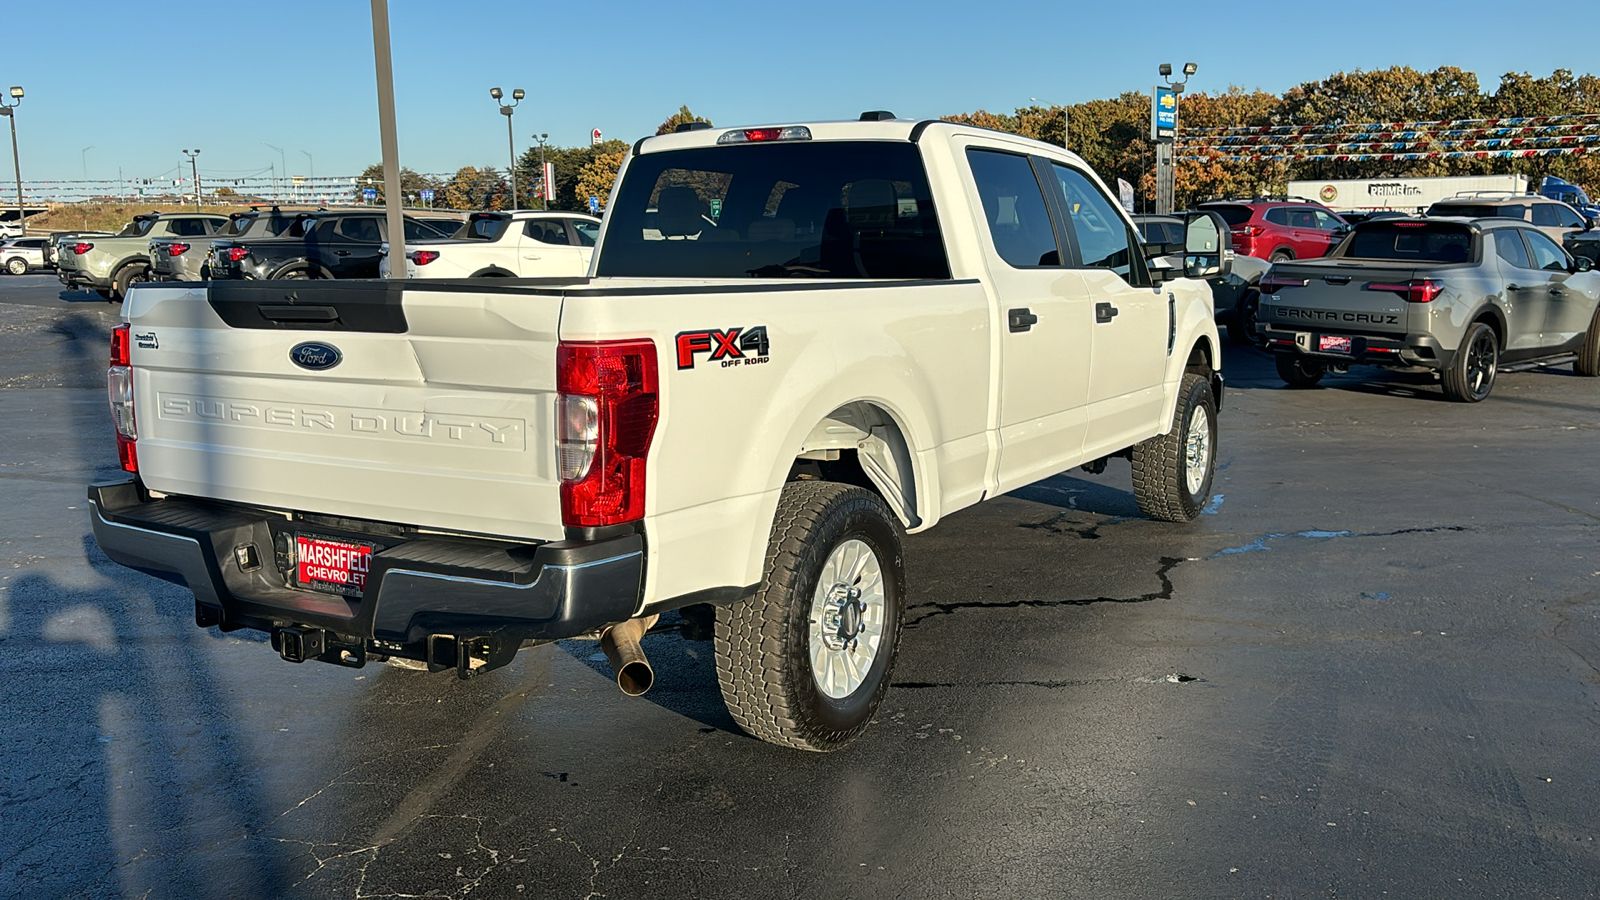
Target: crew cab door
x=356 y=248
x=1044 y=316
x=1130 y=323
x=547 y=249
x=1568 y=310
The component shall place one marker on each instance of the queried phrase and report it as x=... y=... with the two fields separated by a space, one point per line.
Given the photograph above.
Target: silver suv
x=1553 y=217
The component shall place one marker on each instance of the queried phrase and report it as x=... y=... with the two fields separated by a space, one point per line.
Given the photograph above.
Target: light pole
x=544 y=195
x=511 y=142
x=84 y=157
x=283 y=168
x=8 y=110
x=194 y=171
x=1165 y=148
x=311 y=177
x=1064 y=119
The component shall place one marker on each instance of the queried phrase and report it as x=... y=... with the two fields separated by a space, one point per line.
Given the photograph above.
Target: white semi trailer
x=1402 y=194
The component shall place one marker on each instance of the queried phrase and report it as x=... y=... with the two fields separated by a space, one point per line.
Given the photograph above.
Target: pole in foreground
x=390 y=138
x=8 y=110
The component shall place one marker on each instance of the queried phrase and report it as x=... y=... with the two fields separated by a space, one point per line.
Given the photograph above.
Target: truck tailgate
x=1335 y=295
x=437 y=409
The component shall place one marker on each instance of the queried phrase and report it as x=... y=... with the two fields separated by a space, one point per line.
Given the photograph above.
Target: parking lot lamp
x=1064 y=120
x=544 y=195
x=7 y=110
x=1166 y=149
x=283 y=169
x=511 y=142
x=194 y=171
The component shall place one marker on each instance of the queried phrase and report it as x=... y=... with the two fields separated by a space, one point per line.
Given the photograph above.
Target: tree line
x=1113 y=136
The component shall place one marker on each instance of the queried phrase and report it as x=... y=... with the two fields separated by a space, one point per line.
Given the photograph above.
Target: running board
x=1539 y=363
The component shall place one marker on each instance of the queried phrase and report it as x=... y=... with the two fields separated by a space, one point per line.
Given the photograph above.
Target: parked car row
x=19 y=255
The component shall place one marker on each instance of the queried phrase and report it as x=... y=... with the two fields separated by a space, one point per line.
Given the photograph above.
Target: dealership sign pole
x=1164 y=131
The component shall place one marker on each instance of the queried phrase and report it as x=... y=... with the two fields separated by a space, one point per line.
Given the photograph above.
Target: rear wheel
x=1588 y=361
x=1470 y=376
x=125 y=278
x=1242 y=328
x=1298 y=372
x=16 y=265
x=1172 y=472
x=296 y=275
x=1279 y=256
x=806 y=661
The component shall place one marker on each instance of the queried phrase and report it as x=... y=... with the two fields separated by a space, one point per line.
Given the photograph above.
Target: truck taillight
x=605 y=419
x=119 y=390
x=1272 y=284
x=1417 y=290
x=82 y=248
x=422 y=257
x=235 y=254
x=177 y=249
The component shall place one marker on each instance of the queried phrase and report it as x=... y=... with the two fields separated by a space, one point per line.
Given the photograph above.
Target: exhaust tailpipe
x=621 y=645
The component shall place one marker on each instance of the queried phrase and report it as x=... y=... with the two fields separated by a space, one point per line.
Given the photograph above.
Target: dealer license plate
x=332 y=566
x=1333 y=343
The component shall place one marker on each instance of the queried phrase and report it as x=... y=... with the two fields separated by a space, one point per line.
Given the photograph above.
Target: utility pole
x=389 y=136
x=194 y=170
x=9 y=111
x=511 y=142
x=284 y=168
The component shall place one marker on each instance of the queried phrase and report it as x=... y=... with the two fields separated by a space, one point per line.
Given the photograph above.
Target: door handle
x=1020 y=320
x=1104 y=312
x=341 y=253
x=1557 y=291
x=1513 y=287
x=526 y=256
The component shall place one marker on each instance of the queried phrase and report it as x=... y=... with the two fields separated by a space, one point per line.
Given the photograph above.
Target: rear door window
x=360 y=228
x=1508 y=246
x=1436 y=242
x=790 y=209
x=547 y=231
x=1015 y=209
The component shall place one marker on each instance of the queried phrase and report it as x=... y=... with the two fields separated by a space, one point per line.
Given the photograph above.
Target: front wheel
x=1298 y=372
x=1588 y=362
x=806 y=661
x=1242 y=327
x=1172 y=472
x=17 y=265
x=1470 y=375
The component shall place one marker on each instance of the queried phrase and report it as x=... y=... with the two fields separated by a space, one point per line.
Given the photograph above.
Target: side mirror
x=1581 y=264
x=1205 y=245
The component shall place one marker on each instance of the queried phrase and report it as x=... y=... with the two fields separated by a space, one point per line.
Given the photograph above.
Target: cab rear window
x=1233 y=215
x=1434 y=242
x=827 y=209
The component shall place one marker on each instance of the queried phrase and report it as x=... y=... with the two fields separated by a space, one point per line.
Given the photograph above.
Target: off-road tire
x=16 y=265
x=1462 y=380
x=1588 y=362
x=1242 y=327
x=1159 y=464
x=762 y=644
x=1297 y=371
x=124 y=278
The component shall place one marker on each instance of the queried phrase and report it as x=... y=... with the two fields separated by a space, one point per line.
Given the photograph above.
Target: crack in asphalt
x=1168 y=563
x=1260 y=543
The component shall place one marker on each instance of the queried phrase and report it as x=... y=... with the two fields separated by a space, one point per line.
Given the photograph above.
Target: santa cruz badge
x=732 y=347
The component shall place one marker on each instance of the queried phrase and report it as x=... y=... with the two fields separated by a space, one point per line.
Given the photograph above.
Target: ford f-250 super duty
x=795 y=343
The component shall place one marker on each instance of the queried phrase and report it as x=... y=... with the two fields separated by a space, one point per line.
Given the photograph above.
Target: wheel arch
x=493 y=271
x=1496 y=320
x=865 y=442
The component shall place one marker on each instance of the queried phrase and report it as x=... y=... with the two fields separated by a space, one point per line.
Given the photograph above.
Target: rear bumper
x=419 y=587
x=1381 y=350
x=81 y=278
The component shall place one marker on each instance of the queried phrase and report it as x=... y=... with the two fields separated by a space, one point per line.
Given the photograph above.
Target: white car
x=518 y=244
x=18 y=255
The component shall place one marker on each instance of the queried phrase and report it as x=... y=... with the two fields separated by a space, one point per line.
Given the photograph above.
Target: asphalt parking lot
x=1371 y=669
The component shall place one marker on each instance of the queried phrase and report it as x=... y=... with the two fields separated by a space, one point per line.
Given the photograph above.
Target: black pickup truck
x=320 y=245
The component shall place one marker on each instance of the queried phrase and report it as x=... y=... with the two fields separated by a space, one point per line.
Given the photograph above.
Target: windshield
x=1433 y=242
x=137 y=227
x=1233 y=215
x=802 y=209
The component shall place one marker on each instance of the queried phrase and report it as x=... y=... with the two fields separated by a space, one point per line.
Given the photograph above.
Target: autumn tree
x=682 y=116
x=596 y=178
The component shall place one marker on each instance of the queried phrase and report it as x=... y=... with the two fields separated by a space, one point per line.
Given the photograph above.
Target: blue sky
x=140 y=81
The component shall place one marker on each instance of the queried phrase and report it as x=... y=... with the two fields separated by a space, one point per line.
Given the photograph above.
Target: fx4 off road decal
x=733 y=347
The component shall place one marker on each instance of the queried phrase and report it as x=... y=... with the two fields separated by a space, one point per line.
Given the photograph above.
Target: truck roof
x=886 y=128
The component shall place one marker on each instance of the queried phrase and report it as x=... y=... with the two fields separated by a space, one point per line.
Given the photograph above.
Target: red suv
x=1277 y=230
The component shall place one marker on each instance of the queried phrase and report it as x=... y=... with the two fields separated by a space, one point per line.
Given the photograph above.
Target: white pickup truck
x=795 y=344
x=520 y=244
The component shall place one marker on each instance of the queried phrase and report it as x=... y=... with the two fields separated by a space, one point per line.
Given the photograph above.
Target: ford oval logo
x=315 y=355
